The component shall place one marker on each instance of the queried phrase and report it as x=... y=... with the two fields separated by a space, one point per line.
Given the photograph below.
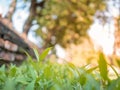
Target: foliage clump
x=46 y=75
x=66 y=21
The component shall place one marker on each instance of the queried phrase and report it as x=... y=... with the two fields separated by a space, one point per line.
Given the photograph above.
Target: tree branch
x=32 y=15
x=11 y=10
x=29 y=20
x=41 y=4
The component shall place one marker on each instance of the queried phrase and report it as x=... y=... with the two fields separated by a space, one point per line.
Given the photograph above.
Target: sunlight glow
x=103 y=37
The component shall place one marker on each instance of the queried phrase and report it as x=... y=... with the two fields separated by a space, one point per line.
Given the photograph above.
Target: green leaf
x=12 y=71
x=2 y=68
x=36 y=54
x=2 y=73
x=21 y=79
x=92 y=69
x=91 y=83
x=114 y=85
x=103 y=66
x=30 y=86
x=44 y=53
x=32 y=72
x=82 y=79
x=28 y=56
x=9 y=84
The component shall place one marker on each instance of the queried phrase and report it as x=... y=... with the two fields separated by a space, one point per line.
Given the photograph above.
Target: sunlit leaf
x=103 y=66
x=13 y=71
x=44 y=53
x=36 y=54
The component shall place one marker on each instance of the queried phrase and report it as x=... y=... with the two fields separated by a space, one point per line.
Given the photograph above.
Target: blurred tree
x=66 y=21
x=117 y=31
x=107 y=17
x=60 y=21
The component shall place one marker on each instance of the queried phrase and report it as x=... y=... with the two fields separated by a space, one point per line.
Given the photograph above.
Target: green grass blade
x=114 y=70
x=103 y=66
x=44 y=53
x=36 y=54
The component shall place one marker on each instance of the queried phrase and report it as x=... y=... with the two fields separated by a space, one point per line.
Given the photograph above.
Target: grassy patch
x=39 y=75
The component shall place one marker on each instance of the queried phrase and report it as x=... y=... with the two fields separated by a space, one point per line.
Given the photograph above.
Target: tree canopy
x=66 y=21
x=62 y=22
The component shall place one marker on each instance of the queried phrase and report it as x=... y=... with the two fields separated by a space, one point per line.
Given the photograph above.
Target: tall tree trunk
x=117 y=37
x=32 y=15
x=11 y=10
